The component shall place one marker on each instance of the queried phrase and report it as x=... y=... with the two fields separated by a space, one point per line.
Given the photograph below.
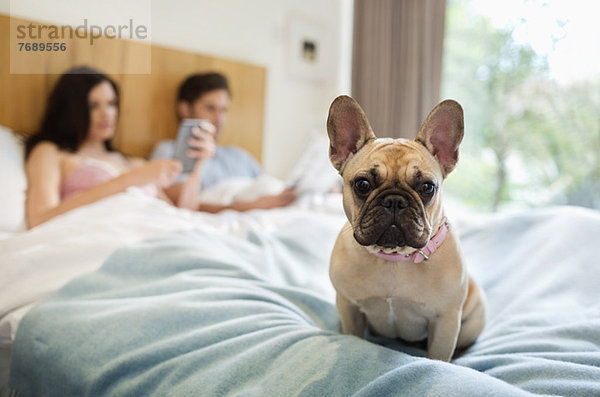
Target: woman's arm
x=43 y=170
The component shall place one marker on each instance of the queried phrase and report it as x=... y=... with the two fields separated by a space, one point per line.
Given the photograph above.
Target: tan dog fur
x=434 y=300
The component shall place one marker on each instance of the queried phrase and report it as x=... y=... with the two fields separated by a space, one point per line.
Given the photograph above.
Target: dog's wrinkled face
x=392 y=187
x=392 y=195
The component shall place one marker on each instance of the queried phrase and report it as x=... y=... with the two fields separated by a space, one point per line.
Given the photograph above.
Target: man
x=207 y=96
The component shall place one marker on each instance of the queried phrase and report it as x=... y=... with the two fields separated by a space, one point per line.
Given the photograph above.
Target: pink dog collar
x=422 y=254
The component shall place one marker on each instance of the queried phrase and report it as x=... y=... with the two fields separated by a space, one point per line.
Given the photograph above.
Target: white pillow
x=13 y=182
x=313 y=172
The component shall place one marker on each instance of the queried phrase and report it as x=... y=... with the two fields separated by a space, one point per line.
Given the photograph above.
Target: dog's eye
x=427 y=189
x=362 y=186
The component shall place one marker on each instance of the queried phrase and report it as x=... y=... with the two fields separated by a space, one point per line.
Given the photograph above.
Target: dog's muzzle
x=392 y=221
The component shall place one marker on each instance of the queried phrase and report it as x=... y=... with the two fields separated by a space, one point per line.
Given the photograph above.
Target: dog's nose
x=395 y=202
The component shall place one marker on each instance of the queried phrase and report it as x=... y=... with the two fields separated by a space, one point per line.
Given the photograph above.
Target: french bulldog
x=396 y=265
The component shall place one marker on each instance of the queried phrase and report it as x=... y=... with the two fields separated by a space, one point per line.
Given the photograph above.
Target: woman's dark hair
x=198 y=84
x=66 y=121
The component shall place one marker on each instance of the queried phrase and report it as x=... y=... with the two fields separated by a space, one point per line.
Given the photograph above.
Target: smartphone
x=181 y=145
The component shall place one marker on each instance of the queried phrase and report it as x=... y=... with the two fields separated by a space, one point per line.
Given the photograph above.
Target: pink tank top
x=91 y=173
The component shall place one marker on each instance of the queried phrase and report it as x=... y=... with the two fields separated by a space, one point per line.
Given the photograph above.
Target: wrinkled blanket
x=200 y=314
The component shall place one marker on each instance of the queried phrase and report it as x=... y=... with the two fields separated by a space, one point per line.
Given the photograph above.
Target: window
x=527 y=74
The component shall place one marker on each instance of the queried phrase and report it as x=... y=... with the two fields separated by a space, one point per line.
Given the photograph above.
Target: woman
x=70 y=161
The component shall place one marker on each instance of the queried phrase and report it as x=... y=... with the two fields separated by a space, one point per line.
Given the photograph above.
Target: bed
x=131 y=296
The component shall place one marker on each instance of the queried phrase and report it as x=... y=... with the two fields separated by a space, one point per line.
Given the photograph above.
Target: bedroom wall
x=259 y=32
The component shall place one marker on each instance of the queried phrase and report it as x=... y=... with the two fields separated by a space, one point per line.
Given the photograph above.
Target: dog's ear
x=441 y=133
x=348 y=130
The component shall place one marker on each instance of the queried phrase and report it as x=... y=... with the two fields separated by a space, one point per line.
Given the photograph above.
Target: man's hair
x=197 y=85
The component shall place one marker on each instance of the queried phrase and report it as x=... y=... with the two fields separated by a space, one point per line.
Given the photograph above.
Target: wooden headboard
x=147 y=111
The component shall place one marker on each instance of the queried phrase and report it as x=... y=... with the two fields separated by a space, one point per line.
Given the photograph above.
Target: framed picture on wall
x=309 y=53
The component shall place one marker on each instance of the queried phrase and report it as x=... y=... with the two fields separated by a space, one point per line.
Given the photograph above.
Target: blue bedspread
x=200 y=314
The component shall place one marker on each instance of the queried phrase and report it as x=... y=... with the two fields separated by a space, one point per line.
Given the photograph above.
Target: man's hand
x=202 y=147
x=202 y=142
